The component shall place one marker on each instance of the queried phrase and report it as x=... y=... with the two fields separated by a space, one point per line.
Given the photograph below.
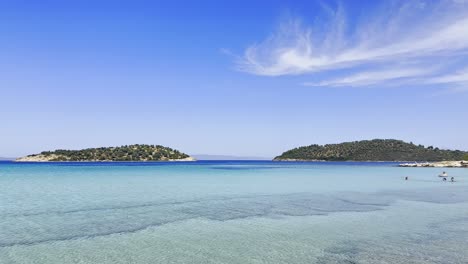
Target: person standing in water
x=444 y=176
x=452 y=179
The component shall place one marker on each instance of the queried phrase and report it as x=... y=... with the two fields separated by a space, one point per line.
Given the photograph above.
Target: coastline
x=437 y=164
x=411 y=164
x=306 y=160
x=296 y=160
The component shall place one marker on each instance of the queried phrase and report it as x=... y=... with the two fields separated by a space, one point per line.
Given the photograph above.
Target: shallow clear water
x=231 y=212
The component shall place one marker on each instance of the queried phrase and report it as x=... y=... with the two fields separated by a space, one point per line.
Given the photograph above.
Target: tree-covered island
x=137 y=152
x=371 y=150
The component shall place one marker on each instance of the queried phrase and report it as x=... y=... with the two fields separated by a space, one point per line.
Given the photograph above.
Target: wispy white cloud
x=374 y=77
x=418 y=33
x=460 y=77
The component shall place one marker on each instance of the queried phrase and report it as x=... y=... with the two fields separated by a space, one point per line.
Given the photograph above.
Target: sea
x=231 y=212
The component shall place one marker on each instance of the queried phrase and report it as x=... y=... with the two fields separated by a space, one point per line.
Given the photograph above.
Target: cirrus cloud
x=401 y=41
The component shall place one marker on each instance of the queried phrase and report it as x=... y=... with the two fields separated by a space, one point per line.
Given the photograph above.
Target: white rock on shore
x=37 y=158
x=301 y=160
x=185 y=159
x=439 y=164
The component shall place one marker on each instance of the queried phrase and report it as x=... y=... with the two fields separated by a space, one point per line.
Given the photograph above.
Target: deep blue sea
x=231 y=212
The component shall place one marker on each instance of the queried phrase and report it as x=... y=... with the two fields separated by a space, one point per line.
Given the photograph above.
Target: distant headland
x=135 y=152
x=371 y=150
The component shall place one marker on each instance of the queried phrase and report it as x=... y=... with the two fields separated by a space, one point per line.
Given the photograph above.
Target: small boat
x=444 y=174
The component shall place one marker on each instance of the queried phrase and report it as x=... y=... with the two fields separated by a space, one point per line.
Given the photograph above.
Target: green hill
x=371 y=150
x=124 y=153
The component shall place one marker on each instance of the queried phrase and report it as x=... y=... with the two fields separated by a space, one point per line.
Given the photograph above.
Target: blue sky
x=249 y=78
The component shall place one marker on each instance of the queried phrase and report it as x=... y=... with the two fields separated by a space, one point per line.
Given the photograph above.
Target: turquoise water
x=231 y=212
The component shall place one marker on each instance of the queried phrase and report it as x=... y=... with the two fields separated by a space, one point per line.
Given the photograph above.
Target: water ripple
x=54 y=226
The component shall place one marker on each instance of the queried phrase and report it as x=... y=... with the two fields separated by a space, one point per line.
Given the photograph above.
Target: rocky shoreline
x=438 y=164
x=294 y=160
